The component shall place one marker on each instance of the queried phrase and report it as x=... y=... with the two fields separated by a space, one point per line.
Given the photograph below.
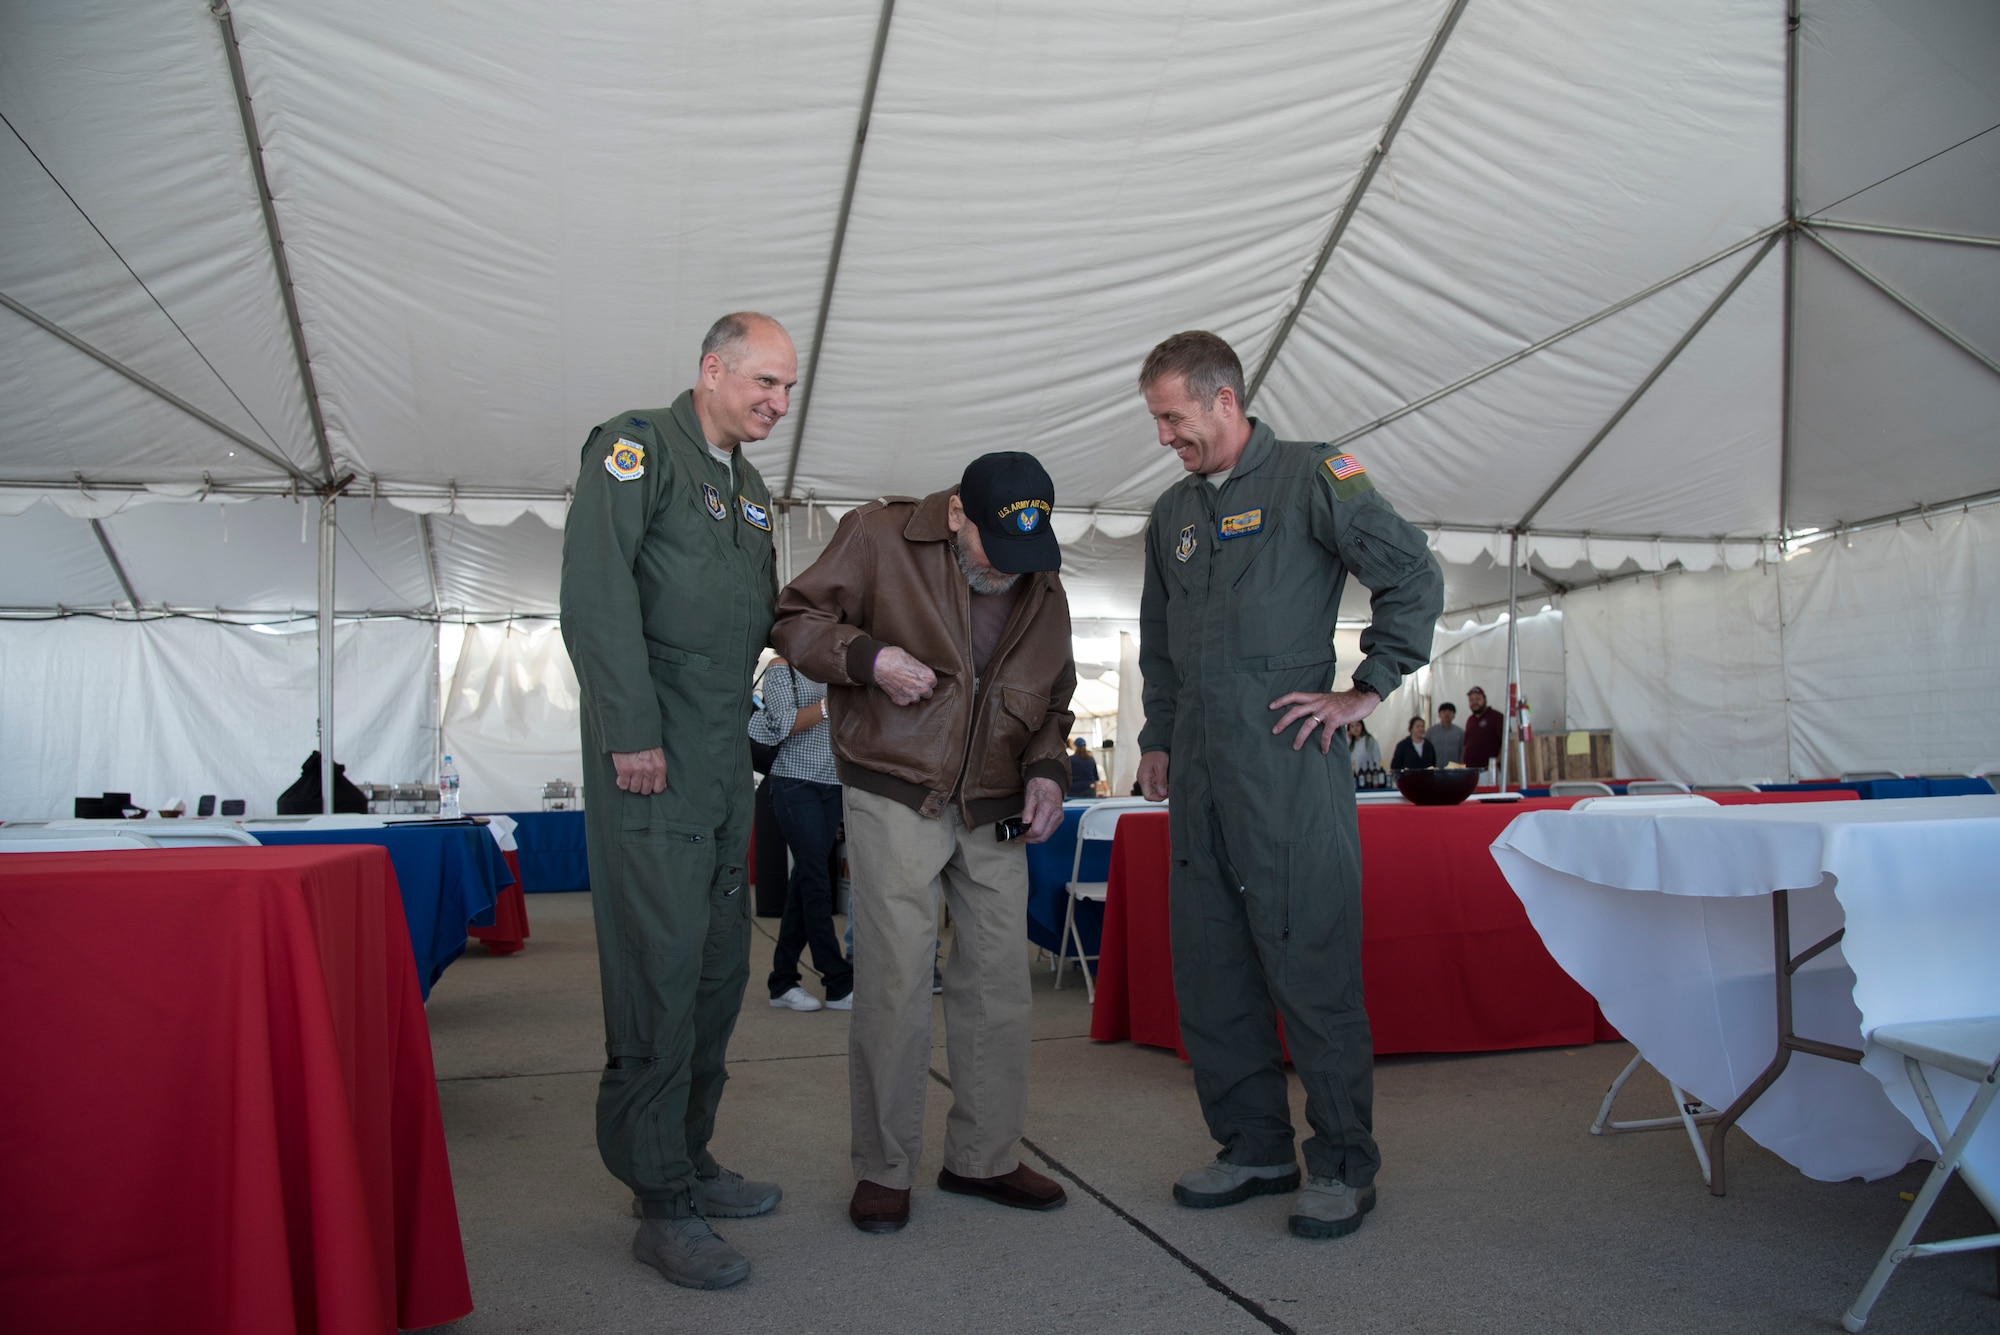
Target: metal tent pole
x=1513 y=654
x=328 y=529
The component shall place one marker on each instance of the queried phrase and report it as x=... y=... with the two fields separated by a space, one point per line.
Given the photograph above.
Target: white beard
x=982 y=579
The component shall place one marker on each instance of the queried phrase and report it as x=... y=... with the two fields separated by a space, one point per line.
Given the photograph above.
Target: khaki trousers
x=898 y=861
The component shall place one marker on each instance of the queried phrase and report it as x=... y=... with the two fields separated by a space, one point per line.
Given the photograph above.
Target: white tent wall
x=171 y=709
x=510 y=714
x=1886 y=658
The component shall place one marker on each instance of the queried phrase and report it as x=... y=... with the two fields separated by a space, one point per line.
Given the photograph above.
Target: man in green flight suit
x=668 y=590
x=1246 y=559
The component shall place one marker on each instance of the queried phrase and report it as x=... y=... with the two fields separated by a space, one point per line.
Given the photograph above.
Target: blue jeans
x=809 y=818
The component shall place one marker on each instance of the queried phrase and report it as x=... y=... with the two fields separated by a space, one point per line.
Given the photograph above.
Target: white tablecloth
x=1664 y=917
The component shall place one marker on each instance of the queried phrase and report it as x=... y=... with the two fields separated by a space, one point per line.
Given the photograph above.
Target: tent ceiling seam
x=1680 y=346
x=117 y=566
x=847 y=190
x=1937 y=326
x=1376 y=155
x=1417 y=405
x=119 y=255
x=106 y=359
x=1912 y=167
x=255 y=143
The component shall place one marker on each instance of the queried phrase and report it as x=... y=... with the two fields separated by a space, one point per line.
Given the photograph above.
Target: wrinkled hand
x=1153 y=776
x=641 y=772
x=1042 y=813
x=902 y=678
x=1329 y=712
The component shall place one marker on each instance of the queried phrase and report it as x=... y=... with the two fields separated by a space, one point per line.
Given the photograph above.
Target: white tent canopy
x=1659 y=286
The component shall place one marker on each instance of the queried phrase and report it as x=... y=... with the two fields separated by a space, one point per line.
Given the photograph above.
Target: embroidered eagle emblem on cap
x=1024 y=515
x=627 y=460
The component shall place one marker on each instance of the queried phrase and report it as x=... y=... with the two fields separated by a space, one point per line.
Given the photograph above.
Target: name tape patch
x=755 y=514
x=1241 y=526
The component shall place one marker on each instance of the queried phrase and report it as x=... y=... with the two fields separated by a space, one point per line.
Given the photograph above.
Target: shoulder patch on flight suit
x=1348 y=478
x=713 y=499
x=1241 y=526
x=626 y=461
x=755 y=513
x=1185 y=548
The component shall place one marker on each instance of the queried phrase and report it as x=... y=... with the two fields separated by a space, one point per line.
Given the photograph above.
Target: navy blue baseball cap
x=1010 y=497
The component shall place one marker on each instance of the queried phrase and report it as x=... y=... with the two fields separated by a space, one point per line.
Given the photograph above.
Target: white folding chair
x=1654 y=787
x=1098 y=822
x=1727 y=788
x=1867 y=775
x=201 y=834
x=1970 y=1050
x=1580 y=788
x=42 y=839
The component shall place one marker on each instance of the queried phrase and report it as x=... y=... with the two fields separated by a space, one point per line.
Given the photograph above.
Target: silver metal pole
x=328 y=528
x=785 y=548
x=1513 y=656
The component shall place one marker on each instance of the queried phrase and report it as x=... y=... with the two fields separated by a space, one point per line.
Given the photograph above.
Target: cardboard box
x=1581 y=754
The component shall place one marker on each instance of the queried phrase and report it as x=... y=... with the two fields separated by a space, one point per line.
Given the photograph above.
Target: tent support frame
x=1417 y=405
x=1631 y=400
x=839 y=237
x=1376 y=155
x=104 y=358
x=255 y=143
x=1907 y=233
x=117 y=566
x=429 y=551
x=1937 y=326
x=329 y=529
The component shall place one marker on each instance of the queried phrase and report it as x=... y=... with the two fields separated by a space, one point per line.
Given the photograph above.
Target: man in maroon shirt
x=1485 y=731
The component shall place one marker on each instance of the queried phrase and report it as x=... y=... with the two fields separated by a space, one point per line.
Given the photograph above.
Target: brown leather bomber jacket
x=889 y=578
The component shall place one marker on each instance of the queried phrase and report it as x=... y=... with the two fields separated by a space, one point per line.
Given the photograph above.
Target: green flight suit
x=668 y=590
x=1243 y=586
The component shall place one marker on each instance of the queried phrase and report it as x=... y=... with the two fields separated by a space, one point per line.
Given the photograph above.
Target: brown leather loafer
x=879 y=1209
x=1024 y=1188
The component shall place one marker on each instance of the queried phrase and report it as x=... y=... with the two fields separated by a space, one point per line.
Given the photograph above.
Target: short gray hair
x=727 y=336
x=1205 y=364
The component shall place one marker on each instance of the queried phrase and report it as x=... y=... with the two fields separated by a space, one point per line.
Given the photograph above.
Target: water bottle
x=448 y=790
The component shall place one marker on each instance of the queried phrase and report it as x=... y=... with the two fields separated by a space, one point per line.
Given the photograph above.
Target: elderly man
x=943 y=634
x=668 y=588
x=1246 y=558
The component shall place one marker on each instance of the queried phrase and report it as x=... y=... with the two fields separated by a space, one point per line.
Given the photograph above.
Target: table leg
x=1786 y=964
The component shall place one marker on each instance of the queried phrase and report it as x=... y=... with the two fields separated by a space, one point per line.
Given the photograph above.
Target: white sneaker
x=798 y=999
x=845 y=1003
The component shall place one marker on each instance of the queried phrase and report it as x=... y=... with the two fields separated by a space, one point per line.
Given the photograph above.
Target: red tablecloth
x=509 y=932
x=1449 y=960
x=219 y=1113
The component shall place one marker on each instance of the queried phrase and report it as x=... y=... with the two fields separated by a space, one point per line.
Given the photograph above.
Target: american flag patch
x=1344 y=466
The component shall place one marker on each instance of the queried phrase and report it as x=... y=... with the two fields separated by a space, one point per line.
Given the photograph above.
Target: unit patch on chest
x=713 y=499
x=1185 y=547
x=1241 y=526
x=626 y=461
x=754 y=513
x=1348 y=477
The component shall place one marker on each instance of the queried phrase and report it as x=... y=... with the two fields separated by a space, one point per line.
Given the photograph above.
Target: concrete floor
x=1499 y=1212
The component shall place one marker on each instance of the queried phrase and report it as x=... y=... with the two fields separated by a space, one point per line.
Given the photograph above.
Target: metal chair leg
x=1951 y=1150
x=1689 y=1114
x=1062 y=949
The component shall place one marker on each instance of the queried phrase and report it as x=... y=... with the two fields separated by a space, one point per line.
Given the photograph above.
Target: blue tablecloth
x=449 y=876
x=549 y=846
x=1048 y=875
x=1879 y=790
